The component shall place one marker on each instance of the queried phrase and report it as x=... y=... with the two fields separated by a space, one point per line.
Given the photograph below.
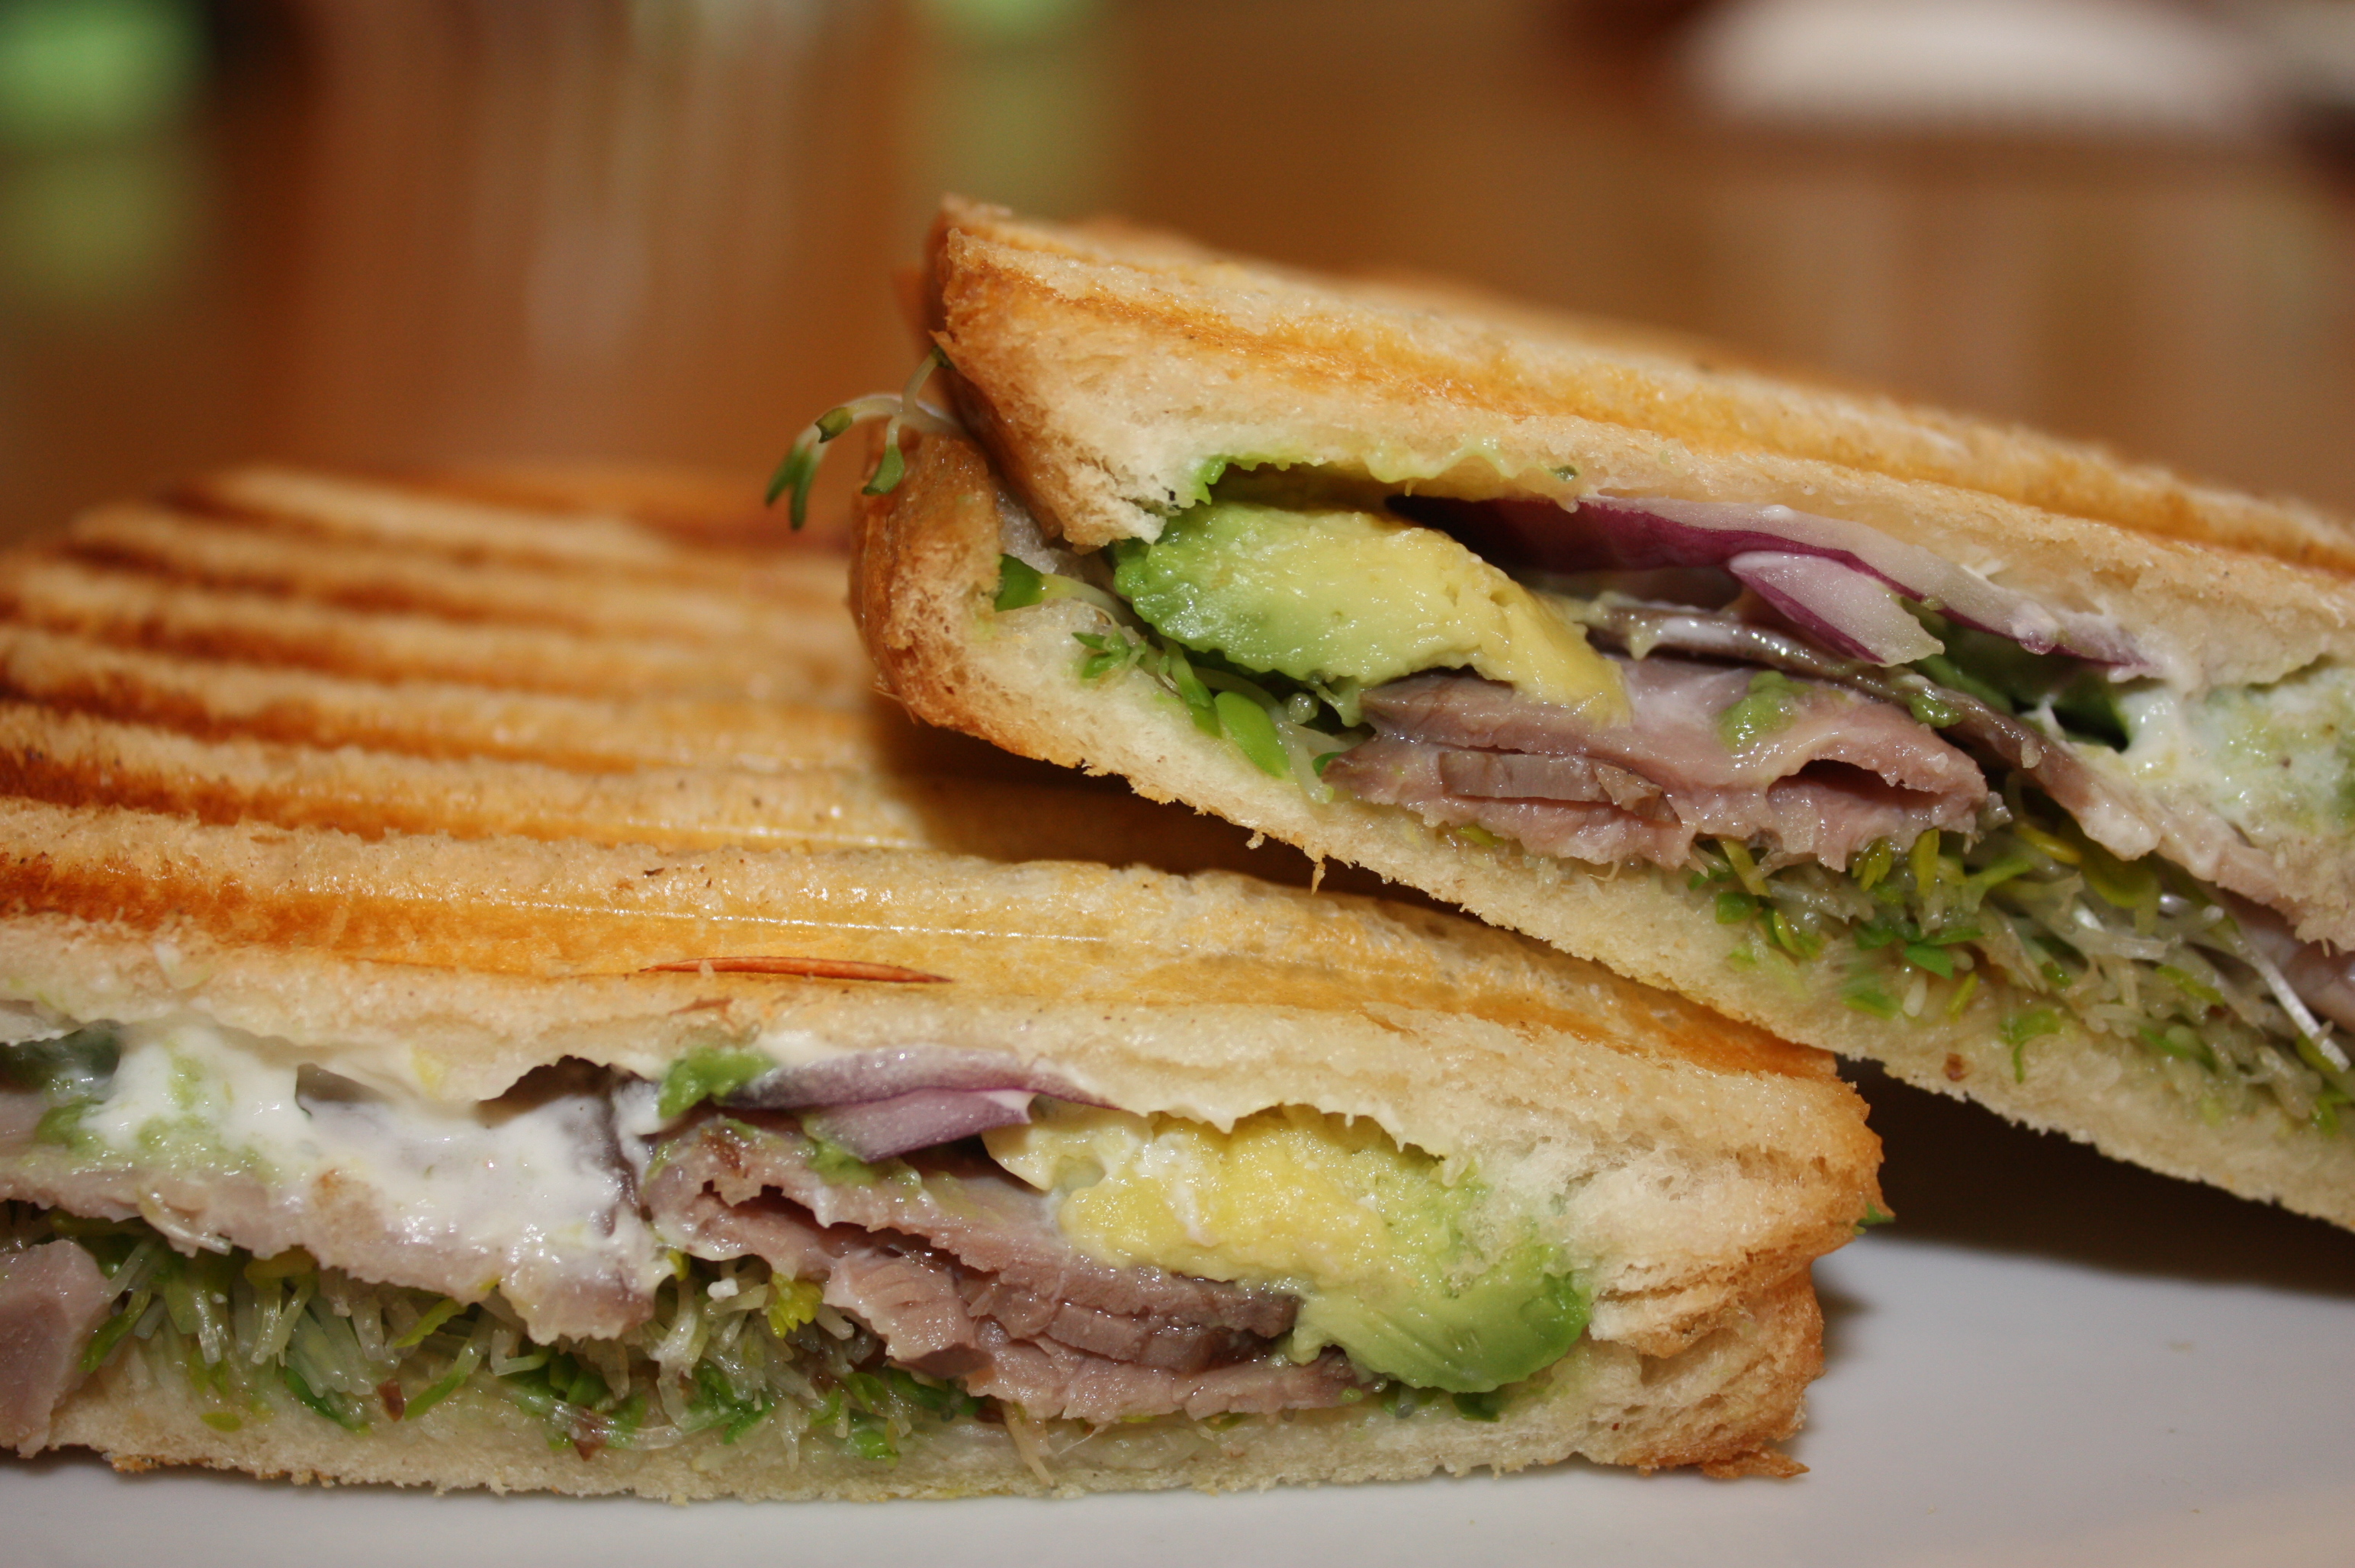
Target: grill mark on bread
x=1407 y=346
x=787 y=613
x=1069 y=929
x=132 y=608
x=335 y=507
x=216 y=699
x=75 y=759
x=778 y=963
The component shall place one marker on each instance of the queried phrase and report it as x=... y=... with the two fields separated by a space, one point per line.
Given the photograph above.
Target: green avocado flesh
x=1329 y=595
x=1379 y=1245
x=1511 y=1321
x=1303 y=593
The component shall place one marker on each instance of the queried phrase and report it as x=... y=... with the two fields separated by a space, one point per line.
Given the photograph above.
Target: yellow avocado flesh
x=1370 y=1235
x=1332 y=595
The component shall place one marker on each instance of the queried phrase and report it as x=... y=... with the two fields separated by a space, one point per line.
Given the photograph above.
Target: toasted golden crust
x=990 y=271
x=221 y=699
x=926 y=573
x=423 y=786
x=781 y=606
x=1107 y=372
x=68 y=758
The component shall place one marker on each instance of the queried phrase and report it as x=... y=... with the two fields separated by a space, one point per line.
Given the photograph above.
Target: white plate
x=2049 y=1360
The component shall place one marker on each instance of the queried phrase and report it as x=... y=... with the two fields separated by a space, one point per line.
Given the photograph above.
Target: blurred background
x=403 y=233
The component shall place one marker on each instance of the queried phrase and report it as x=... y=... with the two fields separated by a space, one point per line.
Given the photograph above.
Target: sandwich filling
x=1892 y=779
x=823 y=1253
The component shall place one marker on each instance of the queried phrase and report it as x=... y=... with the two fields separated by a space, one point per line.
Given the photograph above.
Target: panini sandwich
x=2021 y=770
x=489 y=999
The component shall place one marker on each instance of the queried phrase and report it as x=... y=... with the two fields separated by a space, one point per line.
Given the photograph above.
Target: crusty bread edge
x=1103 y=386
x=1700 y=397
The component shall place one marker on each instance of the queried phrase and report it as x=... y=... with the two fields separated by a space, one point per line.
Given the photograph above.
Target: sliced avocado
x=1327 y=595
x=1505 y=1324
x=1378 y=1246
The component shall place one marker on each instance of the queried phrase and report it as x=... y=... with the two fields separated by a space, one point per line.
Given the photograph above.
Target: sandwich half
x=484 y=1000
x=2026 y=771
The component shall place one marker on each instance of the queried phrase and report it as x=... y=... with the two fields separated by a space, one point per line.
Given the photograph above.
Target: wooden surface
x=444 y=231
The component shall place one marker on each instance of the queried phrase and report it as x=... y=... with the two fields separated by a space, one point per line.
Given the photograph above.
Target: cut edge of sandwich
x=926 y=571
x=1697 y=1353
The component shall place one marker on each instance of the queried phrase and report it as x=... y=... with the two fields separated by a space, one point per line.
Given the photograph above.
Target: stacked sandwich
x=2023 y=771
x=488 y=997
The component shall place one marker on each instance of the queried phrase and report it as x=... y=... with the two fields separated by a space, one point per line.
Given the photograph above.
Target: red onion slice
x=1628 y=533
x=1851 y=613
x=1710 y=533
x=878 y=1129
x=876 y=1103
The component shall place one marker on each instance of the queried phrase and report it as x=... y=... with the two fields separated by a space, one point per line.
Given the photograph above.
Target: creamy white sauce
x=538 y=1187
x=2278 y=762
x=793 y=1047
x=184 y=1094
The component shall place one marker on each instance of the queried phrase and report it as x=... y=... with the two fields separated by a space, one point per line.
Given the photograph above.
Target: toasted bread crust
x=1104 y=370
x=990 y=272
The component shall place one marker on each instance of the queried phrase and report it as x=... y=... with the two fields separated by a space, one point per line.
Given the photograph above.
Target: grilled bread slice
x=2102 y=881
x=458 y=958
